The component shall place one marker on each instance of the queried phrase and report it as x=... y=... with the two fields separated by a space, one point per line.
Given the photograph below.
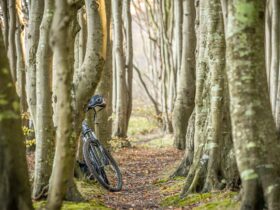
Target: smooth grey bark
x=62 y=41
x=254 y=131
x=275 y=62
x=5 y=27
x=80 y=50
x=178 y=33
x=11 y=37
x=268 y=40
x=20 y=69
x=15 y=189
x=168 y=76
x=184 y=103
x=105 y=88
x=82 y=36
x=33 y=32
x=44 y=130
x=128 y=57
x=120 y=127
x=274 y=67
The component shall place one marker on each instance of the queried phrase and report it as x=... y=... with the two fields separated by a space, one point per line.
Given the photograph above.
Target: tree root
x=43 y=194
x=184 y=167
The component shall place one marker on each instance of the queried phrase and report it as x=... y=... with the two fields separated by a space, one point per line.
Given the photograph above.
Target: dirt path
x=141 y=168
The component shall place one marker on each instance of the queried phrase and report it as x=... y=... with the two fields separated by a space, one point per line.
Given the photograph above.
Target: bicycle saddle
x=96 y=101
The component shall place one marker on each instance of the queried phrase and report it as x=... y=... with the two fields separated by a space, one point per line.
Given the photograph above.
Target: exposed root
x=43 y=193
x=184 y=167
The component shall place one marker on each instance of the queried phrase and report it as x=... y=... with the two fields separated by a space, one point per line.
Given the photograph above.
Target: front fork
x=90 y=136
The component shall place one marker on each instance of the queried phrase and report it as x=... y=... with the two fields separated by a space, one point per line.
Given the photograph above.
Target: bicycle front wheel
x=103 y=166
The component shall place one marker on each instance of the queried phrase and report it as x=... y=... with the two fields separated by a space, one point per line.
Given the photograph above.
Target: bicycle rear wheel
x=103 y=166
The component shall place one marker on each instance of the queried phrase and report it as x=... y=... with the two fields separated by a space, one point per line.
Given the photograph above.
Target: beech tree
x=44 y=130
x=103 y=127
x=11 y=37
x=184 y=103
x=20 y=62
x=33 y=32
x=210 y=161
x=14 y=182
x=254 y=132
x=123 y=68
x=68 y=103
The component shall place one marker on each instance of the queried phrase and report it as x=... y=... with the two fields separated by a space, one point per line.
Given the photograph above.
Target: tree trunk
x=213 y=165
x=5 y=28
x=184 y=166
x=168 y=77
x=82 y=36
x=15 y=190
x=85 y=79
x=44 y=127
x=35 y=17
x=12 y=46
x=129 y=57
x=274 y=67
x=276 y=32
x=21 y=77
x=268 y=40
x=120 y=129
x=254 y=132
x=178 y=24
x=84 y=84
x=80 y=50
x=184 y=103
x=62 y=39
x=104 y=127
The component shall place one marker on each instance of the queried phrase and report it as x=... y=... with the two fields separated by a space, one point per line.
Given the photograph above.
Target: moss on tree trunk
x=254 y=132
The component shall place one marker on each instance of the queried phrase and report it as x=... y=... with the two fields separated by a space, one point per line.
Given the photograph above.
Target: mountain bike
x=99 y=161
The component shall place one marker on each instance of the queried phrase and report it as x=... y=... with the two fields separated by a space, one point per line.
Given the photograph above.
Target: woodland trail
x=141 y=167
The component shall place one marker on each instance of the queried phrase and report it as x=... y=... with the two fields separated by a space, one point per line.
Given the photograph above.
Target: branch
x=155 y=103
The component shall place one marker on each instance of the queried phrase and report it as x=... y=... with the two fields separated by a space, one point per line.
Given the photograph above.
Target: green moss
x=67 y=205
x=222 y=204
x=213 y=200
x=90 y=190
x=190 y=200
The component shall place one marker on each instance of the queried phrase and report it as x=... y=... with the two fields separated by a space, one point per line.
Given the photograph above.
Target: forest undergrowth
x=146 y=166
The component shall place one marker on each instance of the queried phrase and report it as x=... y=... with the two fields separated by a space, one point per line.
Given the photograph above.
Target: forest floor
x=146 y=166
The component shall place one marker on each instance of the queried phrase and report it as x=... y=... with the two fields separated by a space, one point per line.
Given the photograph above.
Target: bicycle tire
x=93 y=160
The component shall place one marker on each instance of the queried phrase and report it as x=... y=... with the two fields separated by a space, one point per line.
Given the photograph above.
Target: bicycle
x=99 y=161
